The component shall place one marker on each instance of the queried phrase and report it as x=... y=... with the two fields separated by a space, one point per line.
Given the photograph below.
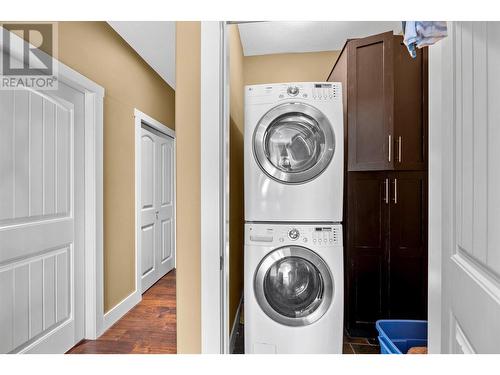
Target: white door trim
x=93 y=124
x=436 y=133
x=214 y=188
x=142 y=118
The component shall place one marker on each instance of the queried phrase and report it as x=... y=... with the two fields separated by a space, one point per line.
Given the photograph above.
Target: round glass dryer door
x=293 y=143
x=293 y=286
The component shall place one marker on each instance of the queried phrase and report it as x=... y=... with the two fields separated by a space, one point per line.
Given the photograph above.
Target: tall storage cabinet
x=385 y=207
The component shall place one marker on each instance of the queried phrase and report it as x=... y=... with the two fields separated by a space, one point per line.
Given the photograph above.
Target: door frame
x=142 y=118
x=93 y=187
x=215 y=328
x=435 y=199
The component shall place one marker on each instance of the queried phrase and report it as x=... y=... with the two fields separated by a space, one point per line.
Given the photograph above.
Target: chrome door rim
x=293 y=177
x=300 y=252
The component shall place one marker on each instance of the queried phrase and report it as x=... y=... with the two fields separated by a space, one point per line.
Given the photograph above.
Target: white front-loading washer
x=293 y=288
x=294 y=152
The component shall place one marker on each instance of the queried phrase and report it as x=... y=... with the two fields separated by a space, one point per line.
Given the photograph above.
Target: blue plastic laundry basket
x=397 y=336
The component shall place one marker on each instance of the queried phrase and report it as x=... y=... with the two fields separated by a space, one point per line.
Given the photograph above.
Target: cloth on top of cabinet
x=418 y=34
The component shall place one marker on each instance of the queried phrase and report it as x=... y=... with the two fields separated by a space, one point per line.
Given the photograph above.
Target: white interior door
x=41 y=220
x=471 y=189
x=157 y=206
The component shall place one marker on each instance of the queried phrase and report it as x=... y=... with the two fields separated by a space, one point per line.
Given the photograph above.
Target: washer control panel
x=281 y=234
x=326 y=235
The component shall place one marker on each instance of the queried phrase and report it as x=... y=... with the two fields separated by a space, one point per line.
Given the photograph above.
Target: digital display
x=322 y=85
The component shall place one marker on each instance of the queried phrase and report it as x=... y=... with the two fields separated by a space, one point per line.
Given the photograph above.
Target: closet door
x=370 y=95
x=368 y=205
x=157 y=206
x=410 y=108
x=408 y=246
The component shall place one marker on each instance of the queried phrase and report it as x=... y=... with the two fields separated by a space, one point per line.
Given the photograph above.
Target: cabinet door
x=370 y=97
x=410 y=108
x=368 y=203
x=408 y=246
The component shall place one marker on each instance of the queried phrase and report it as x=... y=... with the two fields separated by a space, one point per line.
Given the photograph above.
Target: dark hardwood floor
x=150 y=327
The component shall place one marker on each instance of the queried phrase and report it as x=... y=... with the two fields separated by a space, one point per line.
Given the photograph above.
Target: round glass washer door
x=293 y=286
x=294 y=143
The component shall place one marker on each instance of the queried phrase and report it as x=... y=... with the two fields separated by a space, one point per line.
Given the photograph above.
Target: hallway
x=150 y=327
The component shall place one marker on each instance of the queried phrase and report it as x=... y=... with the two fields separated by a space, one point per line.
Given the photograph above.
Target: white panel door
x=157 y=206
x=41 y=220
x=471 y=190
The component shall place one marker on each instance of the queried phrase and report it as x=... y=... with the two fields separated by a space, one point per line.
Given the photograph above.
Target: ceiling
x=154 y=41
x=264 y=38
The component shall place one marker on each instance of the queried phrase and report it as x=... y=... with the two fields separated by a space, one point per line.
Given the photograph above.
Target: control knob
x=293 y=234
x=293 y=90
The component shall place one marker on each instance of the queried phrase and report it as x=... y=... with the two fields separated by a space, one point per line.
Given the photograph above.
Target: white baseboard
x=117 y=312
x=234 y=328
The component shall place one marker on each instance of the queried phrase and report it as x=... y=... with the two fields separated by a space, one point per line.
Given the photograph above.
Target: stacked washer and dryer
x=294 y=162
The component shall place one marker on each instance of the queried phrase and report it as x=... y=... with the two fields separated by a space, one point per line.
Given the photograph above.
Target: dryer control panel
x=300 y=234
x=314 y=91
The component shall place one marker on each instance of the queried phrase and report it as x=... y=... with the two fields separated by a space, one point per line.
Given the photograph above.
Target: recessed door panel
x=167 y=164
x=148 y=248
x=21 y=154
x=36 y=142
x=49 y=158
x=49 y=290
x=408 y=253
x=367 y=222
x=410 y=108
x=36 y=156
x=36 y=297
x=148 y=172
x=370 y=94
x=166 y=239
x=21 y=305
x=63 y=160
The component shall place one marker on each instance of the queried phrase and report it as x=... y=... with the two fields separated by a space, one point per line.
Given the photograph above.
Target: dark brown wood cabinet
x=407 y=233
x=386 y=252
x=384 y=93
x=385 y=197
x=366 y=253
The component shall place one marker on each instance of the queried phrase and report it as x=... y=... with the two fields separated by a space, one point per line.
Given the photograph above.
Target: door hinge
x=221 y=264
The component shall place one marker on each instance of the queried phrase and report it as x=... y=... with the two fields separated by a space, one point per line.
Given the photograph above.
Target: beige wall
x=289 y=67
x=95 y=50
x=187 y=109
x=236 y=198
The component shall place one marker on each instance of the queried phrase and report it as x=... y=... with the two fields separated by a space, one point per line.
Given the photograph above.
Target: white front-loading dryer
x=293 y=288
x=294 y=152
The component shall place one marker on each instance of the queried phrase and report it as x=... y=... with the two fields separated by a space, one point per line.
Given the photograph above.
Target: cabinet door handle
x=395 y=191
x=390 y=148
x=400 y=149
x=386 y=198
